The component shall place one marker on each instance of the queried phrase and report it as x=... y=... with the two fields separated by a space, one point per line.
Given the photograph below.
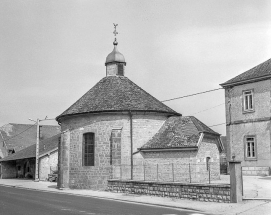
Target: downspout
x=131 y=136
x=4 y=143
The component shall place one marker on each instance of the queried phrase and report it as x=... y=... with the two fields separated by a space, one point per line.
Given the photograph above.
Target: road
x=14 y=201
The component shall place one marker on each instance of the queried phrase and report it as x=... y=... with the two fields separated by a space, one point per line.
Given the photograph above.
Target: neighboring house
x=248 y=114
x=114 y=119
x=15 y=137
x=22 y=163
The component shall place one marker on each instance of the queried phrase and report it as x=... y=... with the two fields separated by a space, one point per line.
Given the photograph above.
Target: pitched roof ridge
x=9 y=157
x=235 y=80
x=199 y=125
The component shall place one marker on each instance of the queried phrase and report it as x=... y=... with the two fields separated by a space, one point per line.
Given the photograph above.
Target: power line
x=217 y=124
x=192 y=94
x=208 y=109
x=19 y=133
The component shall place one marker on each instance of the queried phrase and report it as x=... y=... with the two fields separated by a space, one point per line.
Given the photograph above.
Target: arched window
x=208 y=163
x=88 y=149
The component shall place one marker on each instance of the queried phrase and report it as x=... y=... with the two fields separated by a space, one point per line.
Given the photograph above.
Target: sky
x=53 y=51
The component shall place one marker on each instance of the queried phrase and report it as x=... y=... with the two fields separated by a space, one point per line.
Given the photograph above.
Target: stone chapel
x=118 y=123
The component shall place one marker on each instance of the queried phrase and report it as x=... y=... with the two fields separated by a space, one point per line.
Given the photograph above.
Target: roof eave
x=14 y=159
x=190 y=148
x=211 y=133
x=231 y=84
x=118 y=111
x=48 y=152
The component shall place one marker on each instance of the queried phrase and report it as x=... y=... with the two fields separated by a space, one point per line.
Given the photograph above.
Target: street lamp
x=37 y=145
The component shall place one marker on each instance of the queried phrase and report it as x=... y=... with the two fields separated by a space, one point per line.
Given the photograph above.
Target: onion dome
x=115 y=56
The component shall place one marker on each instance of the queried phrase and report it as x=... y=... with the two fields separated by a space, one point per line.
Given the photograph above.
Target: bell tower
x=115 y=61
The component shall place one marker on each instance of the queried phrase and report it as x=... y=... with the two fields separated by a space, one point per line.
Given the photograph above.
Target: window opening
x=248 y=100
x=250 y=147
x=88 y=149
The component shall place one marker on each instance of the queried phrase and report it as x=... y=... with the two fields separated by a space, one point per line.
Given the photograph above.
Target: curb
x=106 y=198
x=262 y=199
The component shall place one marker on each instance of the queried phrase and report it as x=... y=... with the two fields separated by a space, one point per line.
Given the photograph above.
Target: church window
x=88 y=149
x=248 y=104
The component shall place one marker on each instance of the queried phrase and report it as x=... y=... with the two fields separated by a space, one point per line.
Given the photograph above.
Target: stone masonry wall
x=95 y=177
x=263 y=171
x=246 y=124
x=208 y=148
x=46 y=163
x=199 y=192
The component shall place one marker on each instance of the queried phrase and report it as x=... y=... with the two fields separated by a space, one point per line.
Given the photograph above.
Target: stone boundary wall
x=260 y=171
x=199 y=192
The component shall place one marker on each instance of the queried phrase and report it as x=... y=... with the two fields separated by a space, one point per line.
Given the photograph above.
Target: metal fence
x=169 y=172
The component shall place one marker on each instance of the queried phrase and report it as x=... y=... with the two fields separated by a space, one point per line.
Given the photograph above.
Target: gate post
x=236 y=181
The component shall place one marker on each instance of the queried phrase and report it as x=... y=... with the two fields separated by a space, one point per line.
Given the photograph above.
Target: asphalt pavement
x=18 y=201
x=257 y=191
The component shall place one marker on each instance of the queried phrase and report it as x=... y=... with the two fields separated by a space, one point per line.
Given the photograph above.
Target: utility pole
x=38 y=146
x=37 y=152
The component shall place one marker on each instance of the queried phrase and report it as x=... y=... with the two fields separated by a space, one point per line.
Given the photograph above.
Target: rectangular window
x=248 y=104
x=88 y=149
x=250 y=147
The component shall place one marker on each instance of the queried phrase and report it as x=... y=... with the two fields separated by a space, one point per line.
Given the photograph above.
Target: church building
x=118 y=123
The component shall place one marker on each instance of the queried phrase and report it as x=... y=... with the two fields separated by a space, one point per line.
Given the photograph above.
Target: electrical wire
x=207 y=109
x=217 y=124
x=19 y=133
x=191 y=95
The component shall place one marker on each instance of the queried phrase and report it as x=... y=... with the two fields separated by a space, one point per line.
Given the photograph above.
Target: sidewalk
x=247 y=207
x=255 y=187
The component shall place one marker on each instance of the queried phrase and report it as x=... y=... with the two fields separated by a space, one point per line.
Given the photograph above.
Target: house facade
x=248 y=114
x=109 y=125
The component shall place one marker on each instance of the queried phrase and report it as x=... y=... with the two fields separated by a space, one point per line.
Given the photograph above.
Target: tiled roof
x=178 y=132
x=113 y=94
x=259 y=72
x=17 y=142
x=45 y=146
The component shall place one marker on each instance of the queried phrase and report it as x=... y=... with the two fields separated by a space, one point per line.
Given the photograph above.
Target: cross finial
x=115 y=31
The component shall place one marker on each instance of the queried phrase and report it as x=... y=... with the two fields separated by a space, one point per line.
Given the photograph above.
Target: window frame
x=84 y=150
x=247 y=158
x=248 y=110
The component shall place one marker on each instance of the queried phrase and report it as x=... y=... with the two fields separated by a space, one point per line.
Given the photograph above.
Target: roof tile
x=178 y=132
x=260 y=71
x=45 y=146
x=116 y=93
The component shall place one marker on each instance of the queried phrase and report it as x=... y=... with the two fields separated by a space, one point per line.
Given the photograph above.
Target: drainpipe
x=4 y=143
x=131 y=136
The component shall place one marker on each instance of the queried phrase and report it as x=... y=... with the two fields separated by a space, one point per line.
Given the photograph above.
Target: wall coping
x=170 y=183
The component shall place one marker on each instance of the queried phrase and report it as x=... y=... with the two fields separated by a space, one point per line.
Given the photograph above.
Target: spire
x=115 y=61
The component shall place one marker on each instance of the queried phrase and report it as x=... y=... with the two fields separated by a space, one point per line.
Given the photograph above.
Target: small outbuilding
x=181 y=145
x=22 y=163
